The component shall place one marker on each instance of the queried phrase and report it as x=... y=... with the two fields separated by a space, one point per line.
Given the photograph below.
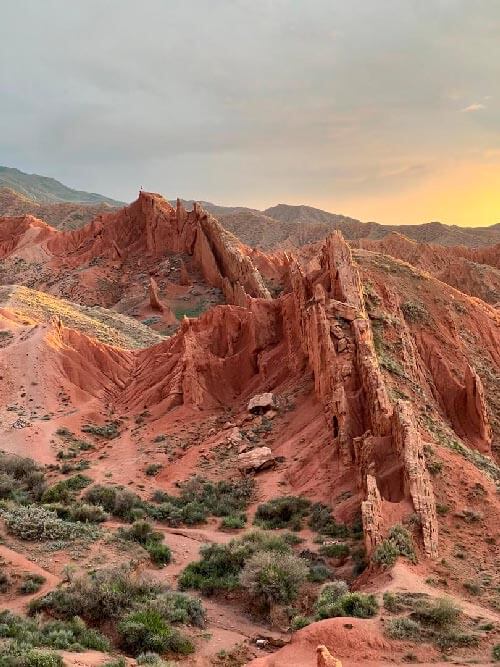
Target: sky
x=385 y=110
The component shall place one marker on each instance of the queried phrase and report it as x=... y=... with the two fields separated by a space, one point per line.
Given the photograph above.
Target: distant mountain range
x=281 y=226
x=42 y=189
x=285 y=226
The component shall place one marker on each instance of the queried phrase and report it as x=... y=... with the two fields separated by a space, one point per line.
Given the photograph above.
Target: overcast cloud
x=365 y=104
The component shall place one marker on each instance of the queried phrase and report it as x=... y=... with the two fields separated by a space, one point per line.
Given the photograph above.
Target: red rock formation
x=471 y=270
x=154 y=299
x=417 y=481
x=149 y=226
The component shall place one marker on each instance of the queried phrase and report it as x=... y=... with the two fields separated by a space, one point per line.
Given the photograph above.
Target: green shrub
x=147 y=630
x=495 y=653
x=434 y=467
x=98 y=596
x=153 y=659
x=144 y=533
x=31 y=583
x=399 y=542
x=221 y=498
x=108 y=431
x=402 y=628
x=233 y=522
x=69 y=635
x=119 y=662
x=318 y=573
x=159 y=553
x=322 y=521
x=220 y=564
x=14 y=655
x=386 y=553
x=141 y=532
x=177 y=608
x=37 y=523
x=87 y=513
x=299 y=622
x=21 y=479
x=284 y=512
x=273 y=577
x=115 y=500
x=218 y=569
x=334 y=550
x=441 y=613
x=64 y=491
x=333 y=602
x=414 y=311
x=153 y=469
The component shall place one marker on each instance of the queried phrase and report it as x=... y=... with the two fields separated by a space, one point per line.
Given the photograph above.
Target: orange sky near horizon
x=467 y=195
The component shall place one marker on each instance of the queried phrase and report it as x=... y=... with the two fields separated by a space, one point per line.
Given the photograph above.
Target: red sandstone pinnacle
x=154 y=299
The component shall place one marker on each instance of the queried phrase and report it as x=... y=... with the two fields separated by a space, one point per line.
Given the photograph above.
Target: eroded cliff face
x=148 y=228
x=475 y=271
x=322 y=323
x=379 y=441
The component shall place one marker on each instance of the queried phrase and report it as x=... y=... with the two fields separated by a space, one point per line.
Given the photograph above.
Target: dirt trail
x=20 y=564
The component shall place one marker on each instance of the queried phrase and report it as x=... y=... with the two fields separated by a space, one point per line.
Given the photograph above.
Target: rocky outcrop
x=261 y=403
x=154 y=299
x=475 y=408
x=330 y=320
x=462 y=401
x=417 y=482
x=475 y=271
x=371 y=515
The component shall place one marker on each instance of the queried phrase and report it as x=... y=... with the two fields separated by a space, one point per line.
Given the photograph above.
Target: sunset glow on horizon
x=386 y=111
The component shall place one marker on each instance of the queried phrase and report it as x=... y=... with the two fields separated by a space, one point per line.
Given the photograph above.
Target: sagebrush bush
x=333 y=602
x=399 y=542
x=15 y=655
x=233 y=522
x=159 y=553
x=147 y=630
x=115 y=500
x=31 y=583
x=21 y=479
x=62 y=635
x=284 y=512
x=334 y=550
x=220 y=564
x=177 y=608
x=65 y=490
x=87 y=513
x=144 y=533
x=273 y=577
x=299 y=622
x=318 y=573
x=322 y=521
x=99 y=596
x=402 y=628
x=31 y=522
x=441 y=613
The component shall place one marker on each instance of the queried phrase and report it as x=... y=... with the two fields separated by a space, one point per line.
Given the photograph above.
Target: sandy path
x=20 y=563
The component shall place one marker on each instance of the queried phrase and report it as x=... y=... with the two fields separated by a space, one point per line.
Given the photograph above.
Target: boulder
x=261 y=403
x=256 y=460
